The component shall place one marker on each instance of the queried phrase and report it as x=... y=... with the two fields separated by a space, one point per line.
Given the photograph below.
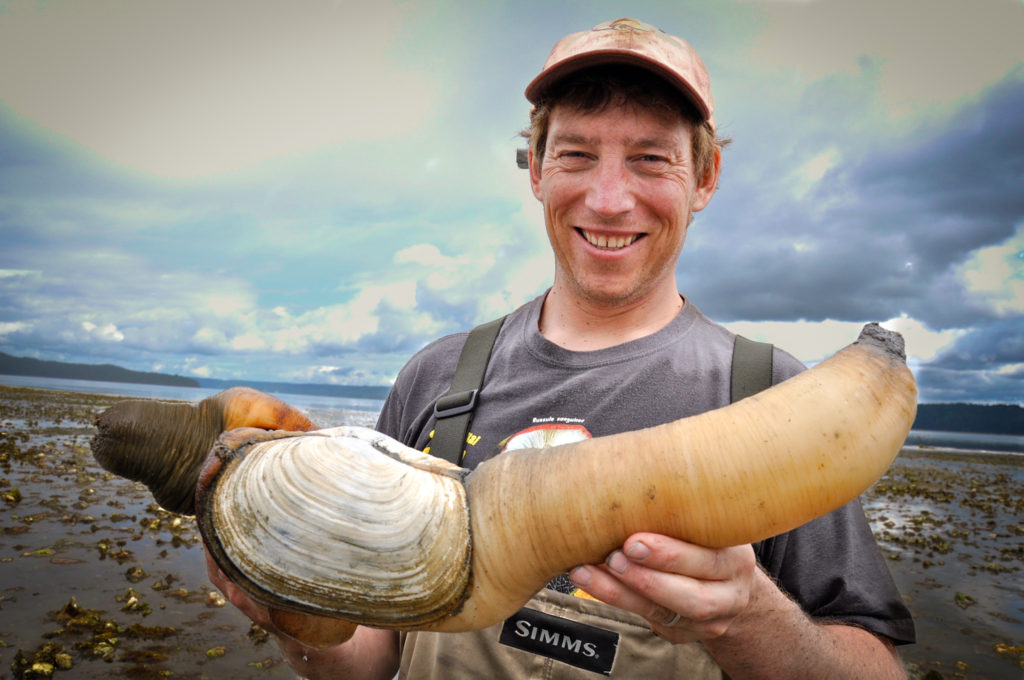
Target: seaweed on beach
x=94 y=573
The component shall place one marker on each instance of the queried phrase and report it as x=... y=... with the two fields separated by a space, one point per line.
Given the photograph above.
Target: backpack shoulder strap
x=455 y=410
x=751 y=368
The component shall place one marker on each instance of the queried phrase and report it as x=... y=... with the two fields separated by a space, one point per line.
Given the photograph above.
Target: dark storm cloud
x=985 y=364
x=1000 y=342
x=880 y=235
x=940 y=384
x=972 y=168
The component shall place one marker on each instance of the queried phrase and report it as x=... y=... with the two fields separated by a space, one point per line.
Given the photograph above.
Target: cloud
x=188 y=89
x=883 y=233
x=986 y=386
x=996 y=274
x=812 y=342
x=7 y=327
x=18 y=273
x=99 y=298
x=985 y=363
x=987 y=347
x=807 y=176
x=207 y=275
x=106 y=333
x=922 y=343
x=933 y=53
x=311 y=193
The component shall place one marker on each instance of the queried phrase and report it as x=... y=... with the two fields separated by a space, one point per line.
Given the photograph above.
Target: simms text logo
x=578 y=644
x=525 y=629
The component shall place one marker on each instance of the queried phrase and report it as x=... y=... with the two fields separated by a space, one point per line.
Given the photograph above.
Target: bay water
x=327 y=411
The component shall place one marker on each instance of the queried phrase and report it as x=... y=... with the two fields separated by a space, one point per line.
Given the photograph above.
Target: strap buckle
x=455 y=404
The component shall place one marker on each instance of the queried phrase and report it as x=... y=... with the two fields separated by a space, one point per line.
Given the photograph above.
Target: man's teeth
x=613 y=242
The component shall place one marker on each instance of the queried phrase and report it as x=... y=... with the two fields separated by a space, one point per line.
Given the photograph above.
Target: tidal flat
x=96 y=580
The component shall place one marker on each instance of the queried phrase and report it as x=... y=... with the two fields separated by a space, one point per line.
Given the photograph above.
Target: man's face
x=618 y=190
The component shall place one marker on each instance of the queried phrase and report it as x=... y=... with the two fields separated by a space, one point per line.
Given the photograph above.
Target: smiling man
x=619 y=186
x=622 y=154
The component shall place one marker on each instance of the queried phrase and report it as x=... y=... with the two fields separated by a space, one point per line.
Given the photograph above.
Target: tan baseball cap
x=628 y=41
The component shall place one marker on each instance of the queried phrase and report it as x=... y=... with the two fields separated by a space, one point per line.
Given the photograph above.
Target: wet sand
x=95 y=580
x=952 y=526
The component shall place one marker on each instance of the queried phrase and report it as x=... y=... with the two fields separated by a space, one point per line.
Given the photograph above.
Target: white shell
x=347 y=523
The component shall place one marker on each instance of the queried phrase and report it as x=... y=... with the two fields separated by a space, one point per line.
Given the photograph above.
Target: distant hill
x=11 y=365
x=978 y=418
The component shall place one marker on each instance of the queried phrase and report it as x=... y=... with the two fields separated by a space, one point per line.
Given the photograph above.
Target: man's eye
x=651 y=158
x=573 y=160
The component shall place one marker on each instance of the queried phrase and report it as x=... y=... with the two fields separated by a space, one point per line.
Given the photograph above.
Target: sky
x=311 y=191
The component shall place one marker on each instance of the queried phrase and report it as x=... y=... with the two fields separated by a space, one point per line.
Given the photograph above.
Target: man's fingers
x=685 y=592
x=666 y=554
x=695 y=599
x=596 y=581
x=692 y=616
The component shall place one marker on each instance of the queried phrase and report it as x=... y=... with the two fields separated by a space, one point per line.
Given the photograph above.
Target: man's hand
x=371 y=653
x=686 y=592
x=254 y=610
x=750 y=627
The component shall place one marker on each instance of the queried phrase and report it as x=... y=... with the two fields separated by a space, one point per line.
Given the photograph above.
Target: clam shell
x=344 y=523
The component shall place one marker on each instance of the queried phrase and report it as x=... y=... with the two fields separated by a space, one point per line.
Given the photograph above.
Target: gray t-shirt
x=537 y=393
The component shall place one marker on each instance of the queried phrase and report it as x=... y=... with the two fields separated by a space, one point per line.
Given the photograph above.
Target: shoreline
x=948 y=453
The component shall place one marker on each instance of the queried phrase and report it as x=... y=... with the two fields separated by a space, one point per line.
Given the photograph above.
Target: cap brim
x=537 y=87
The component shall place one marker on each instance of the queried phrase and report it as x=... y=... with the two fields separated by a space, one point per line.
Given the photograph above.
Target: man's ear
x=703 y=192
x=534 y=173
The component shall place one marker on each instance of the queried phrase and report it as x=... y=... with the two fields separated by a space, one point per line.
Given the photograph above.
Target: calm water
x=967 y=440
x=327 y=408
x=306 y=402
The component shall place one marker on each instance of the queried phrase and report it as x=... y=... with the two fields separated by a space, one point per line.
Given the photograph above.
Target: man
x=622 y=153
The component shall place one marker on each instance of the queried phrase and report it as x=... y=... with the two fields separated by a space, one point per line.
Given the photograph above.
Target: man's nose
x=610 y=192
